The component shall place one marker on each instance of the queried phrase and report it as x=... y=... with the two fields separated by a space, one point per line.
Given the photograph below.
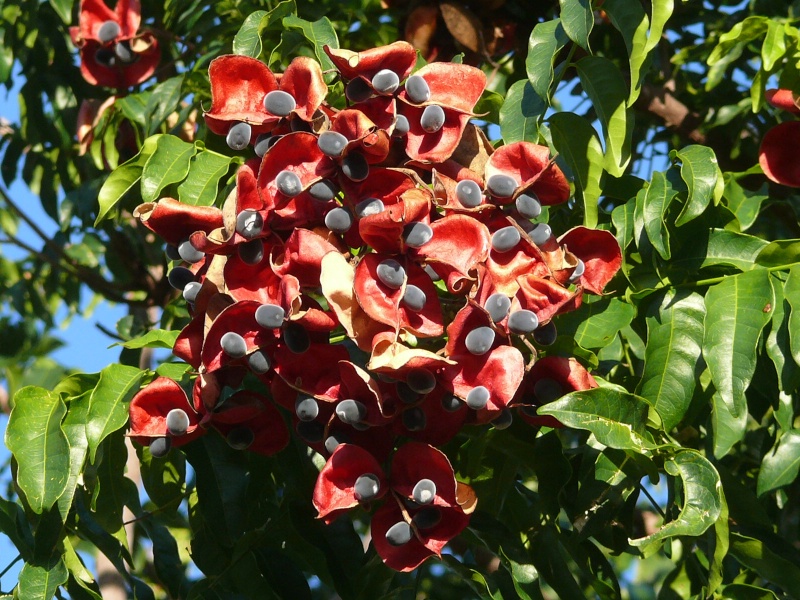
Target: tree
x=463 y=299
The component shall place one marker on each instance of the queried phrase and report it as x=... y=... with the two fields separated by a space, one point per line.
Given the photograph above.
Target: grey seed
x=421 y=380
x=105 y=57
x=478 y=397
x=296 y=337
x=177 y=421
x=541 y=234
x=417 y=234
x=338 y=220
x=259 y=362
x=503 y=420
x=401 y=125
x=251 y=252
x=385 y=82
x=172 y=252
x=180 y=277
x=528 y=206
x=240 y=438
x=270 y=316
x=351 y=411
x=355 y=167
x=547 y=390
x=480 y=340
x=399 y=534
x=249 y=223
x=469 y=193
x=414 y=298
x=432 y=273
x=191 y=290
x=432 y=119
x=366 y=487
x=323 y=190
x=522 y=322
x=279 y=103
x=417 y=89
x=189 y=253
x=306 y=408
x=233 y=345
x=289 y=183
x=501 y=185
x=310 y=431
x=332 y=441
x=414 y=419
x=505 y=239
x=263 y=143
x=497 y=306
x=124 y=52
x=546 y=334
x=332 y=143
x=391 y=273
x=424 y=492
x=580 y=269
x=450 y=403
x=368 y=207
x=160 y=446
x=108 y=31
x=406 y=394
x=426 y=518
x=358 y=90
x=239 y=136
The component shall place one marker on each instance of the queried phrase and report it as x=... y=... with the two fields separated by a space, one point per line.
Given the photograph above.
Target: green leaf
x=672 y=354
x=737 y=250
x=489 y=106
x=168 y=164
x=320 y=33
x=742 y=591
x=64 y=9
x=134 y=107
x=780 y=253
x=721 y=544
x=622 y=218
x=791 y=291
x=603 y=83
x=737 y=309
x=577 y=142
x=74 y=427
x=577 y=18
x=108 y=404
x=651 y=206
x=202 y=182
x=115 y=490
x=520 y=113
x=80 y=575
x=15 y=526
x=155 y=338
x=41 y=583
x=163 y=478
x=743 y=32
x=781 y=464
x=546 y=41
x=247 y=40
x=702 y=176
x=617 y=419
x=595 y=324
x=163 y=101
x=774 y=47
x=743 y=203
x=41 y=449
x=122 y=180
x=770 y=565
x=702 y=503
x=633 y=23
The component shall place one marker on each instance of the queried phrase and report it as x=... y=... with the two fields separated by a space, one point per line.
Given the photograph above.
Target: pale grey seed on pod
x=479 y=341
x=469 y=193
x=323 y=190
x=350 y=411
x=432 y=119
x=279 y=103
x=358 y=90
x=338 y=220
x=432 y=273
x=547 y=390
x=355 y=167
x=124 y=52
x=189 y=253
x=417 y=89
x=417 y=234
x=289 y=183
x=541 y=234
x=239 y=136
x=249 y=223
x=427 y=518
x=501 y=185
x=580 y=269
x=306 y=408
x=401 y=125
x=108 y=31
x=505 y=239
x=180 y=277
x=177 y=421
x=233 y=344
x=259 y=362
x=391 y=273
x=270 y=316
x=332 y=143
x=478 y=397
x=522 y=322
x=368 y=207
x=503 y=420
x=498 y=305
x=385 y=82
x=240 y=438
x=159 y=447
x=332 y=441
x=367 y=486
x=528 y=206
x=191 y=290
x=414 y=298
x=421 y=380
x=296 y=337
x=399 y=534
x=424 y=491
x=251 y=252
x=263 y=143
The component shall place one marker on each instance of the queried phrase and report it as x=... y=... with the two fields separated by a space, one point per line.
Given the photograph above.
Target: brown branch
x=662 y=104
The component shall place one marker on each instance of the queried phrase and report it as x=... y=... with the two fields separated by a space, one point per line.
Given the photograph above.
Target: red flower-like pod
x=363 y=135
x=783 y=99
x=238 y=318
x=533 y=171
x=600 y=253
x=384 y=230
x=304 y=82
x=149 y=409
x=175 y=221
x=776 y=154
x=253 y=412
x=399 y=57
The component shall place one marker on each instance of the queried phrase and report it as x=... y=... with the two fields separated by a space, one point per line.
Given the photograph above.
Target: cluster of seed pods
x=775 y=153
x=379 y=274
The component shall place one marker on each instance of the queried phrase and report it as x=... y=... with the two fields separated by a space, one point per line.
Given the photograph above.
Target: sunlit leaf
x=771 y=565
x=651 y=205
x=703 y=178
x=577 y=18
x=168 y=164
x=206 y=169
x=781 y=464
x=520 y=113
x=41 y=582
x=122 y=180
x=247 y=40
x=546 y=40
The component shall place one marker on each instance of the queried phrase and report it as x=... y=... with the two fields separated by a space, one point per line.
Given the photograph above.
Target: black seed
x=108 y=31
x=105 y=57
x=391 y=273
x=355 y=167
x=259 y=362
x=505 y=239
x=323 y=190
x=414 y=298
x=385 y=82
x=338 y=220
x=547 y=390
x=497 y=306
x=477 y=397
x=370 y=206
x=332 y=442
x=414 y=419
x=124 y=52
x=417 y=89
x=501 y=185
x=160 y=446
x=401 y=125
x=450 y=403
x=421 y=380
x=306 y=408
x=529 y=409
x=296 y=337
x=428 y=517
x=251 y=252
x=546 y=334
x=480 y=340
x=239 y=136
x=399 y=534
x=233 y=344
x=298 y=124
x=424 y=492
x=580 y=269
x=263 y=143
x=432 y=119
x=469 y=193
x=522 y=322
x=358 y=90
x=417 y=234
x=310 y=431
x=279 y=103
x=240 y=438
x=503 y=420
x=332 y=143
x=172 y=252
x=541 y=234
x=289 y=183
x=249 y=223
x=191 y=290
x=406 y=394
x=177 y=421
x=189 y=253
x=350 y=411
x=180 y=277
x=270 y=316
x=528 y=206
x=366 y=487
